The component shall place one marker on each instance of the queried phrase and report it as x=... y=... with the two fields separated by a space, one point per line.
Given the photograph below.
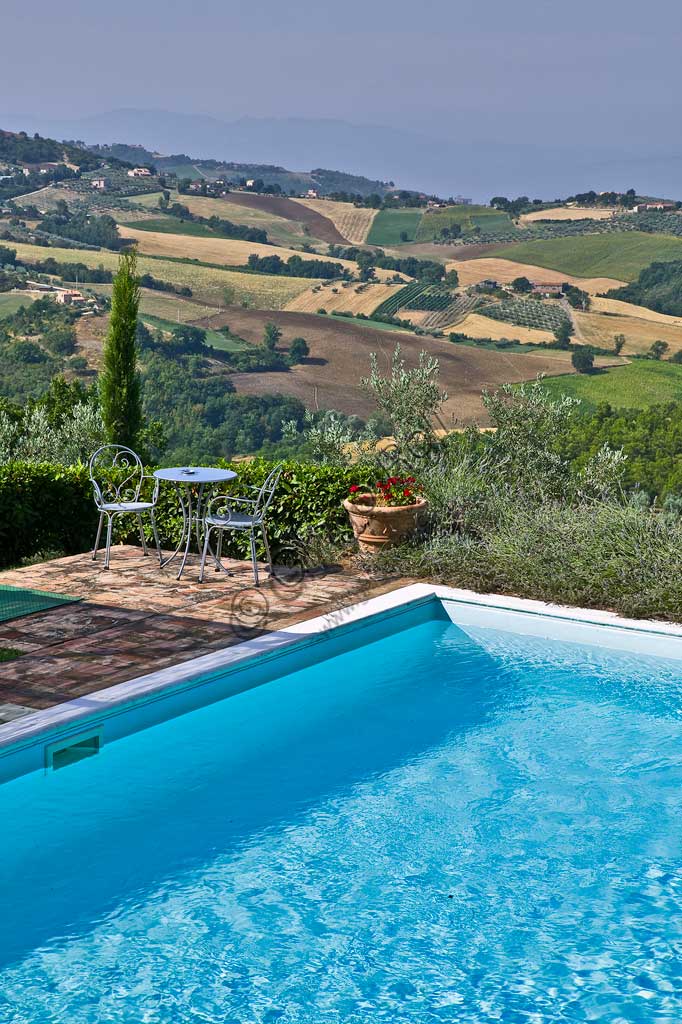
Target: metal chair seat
x=127 y=506
x=229 y=512
x=235 y=521
x=117 y=476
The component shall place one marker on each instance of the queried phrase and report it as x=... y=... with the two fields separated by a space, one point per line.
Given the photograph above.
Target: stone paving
x=136 y=618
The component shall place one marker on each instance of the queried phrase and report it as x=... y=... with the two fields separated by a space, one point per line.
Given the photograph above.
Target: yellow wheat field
x=477 y=326
x=504 y=271
x=228 y=251
x=208 y=284
x=344 y=299
x=598 y=329
x=353 y=222
x=600 y=305
x=566 y=213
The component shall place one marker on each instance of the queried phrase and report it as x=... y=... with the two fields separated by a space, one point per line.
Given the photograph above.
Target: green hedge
x=45 y=507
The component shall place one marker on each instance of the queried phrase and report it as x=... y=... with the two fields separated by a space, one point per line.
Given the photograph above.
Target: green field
x=172 y=226
x=10 y=303
x=641 y=383
x=468 y=217
x=388 y=225
x=219 y=341
x=208 y=284
x=378 y=325
x=621 y=255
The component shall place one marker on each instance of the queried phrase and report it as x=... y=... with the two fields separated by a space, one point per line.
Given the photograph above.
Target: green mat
x=16 y=601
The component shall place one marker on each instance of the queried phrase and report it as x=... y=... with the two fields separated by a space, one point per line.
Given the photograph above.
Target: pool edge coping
x=29 y=729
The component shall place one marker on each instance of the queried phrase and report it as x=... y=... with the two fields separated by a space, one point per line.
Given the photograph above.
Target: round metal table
x=187 y=480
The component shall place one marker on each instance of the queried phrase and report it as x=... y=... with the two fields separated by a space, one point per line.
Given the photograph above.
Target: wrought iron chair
x=246 y=515
x=117 y=497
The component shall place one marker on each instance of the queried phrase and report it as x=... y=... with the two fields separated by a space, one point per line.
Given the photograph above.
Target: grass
x=388 y=225
x=208 y=284
x=639 y=384
x=620 y=254
x=467 y=217
x=10 y=303
x=377 y=324
x=280 y=231
x=172 y=226
x=9 y=653
x=220 y=342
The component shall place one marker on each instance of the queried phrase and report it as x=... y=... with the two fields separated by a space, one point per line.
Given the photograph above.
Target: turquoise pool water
x=443 y=824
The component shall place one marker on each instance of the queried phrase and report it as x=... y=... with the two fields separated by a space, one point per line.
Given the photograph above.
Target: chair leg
x=142 y=536
x=219 y=551
x=156 y=535
x=267 y=549
x=110 y=523
x=204 y=551
x=99 y=534
x=253 y=557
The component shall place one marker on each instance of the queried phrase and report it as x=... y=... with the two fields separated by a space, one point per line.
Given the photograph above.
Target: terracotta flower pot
x=377 y=526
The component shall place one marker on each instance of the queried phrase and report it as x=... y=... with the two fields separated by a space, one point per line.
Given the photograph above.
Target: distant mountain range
x=446 y=165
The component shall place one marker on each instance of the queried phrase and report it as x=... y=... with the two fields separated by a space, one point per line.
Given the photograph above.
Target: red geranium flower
x=354 y=488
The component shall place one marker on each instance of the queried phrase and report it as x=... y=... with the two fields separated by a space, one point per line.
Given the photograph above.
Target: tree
x=583 y=360
x=120 y=390
x=404 y=237
x=522 y=284
x=658 y=349
x=271 y=336
x=562 y=334
x=298 y=350
x=618 y=343
x=451 y=279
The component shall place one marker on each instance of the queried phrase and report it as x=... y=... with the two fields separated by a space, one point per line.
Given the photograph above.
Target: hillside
x=323 y=180
x=659 y=287
x=20 y=149
x=619 y=255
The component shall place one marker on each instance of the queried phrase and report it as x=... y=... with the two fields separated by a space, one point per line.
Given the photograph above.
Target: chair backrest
x=267 y=491
x=116 y=474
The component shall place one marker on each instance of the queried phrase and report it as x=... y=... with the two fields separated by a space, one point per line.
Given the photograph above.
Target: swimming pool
x=446 y=812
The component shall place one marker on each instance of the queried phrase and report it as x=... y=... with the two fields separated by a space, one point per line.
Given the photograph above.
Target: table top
x=195 y=474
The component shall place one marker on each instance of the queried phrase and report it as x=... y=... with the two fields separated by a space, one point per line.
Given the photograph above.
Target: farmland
x=208 y=284
x=618 y=255
x=542 y=316
x=466 y=217
x=505 y=270
x=317 y=225
x=617 y=306
x=353 y=222
x=599 y=329
x=641 y=383
x=169 y=226
x=10 y=303
x=389 y=225
x=344 y=297
x=281 y=230
x=567 y=213
x=340 y=352
x=228 y=251
x=476 y=326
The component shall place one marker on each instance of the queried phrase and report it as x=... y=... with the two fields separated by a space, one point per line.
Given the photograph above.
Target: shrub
x=46 y=507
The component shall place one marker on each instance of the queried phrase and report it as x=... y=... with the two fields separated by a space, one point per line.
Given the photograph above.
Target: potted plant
x=387 y=516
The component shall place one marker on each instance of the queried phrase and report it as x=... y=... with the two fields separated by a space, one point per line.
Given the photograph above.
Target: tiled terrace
x=136 y=618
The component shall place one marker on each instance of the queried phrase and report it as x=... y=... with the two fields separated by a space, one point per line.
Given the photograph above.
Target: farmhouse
x=311 y=194
x=69 y=297
x=643 y=207
x=546 y=288
x=38 y=168
x=250 y=182
x=99 y=183
x=139 y=172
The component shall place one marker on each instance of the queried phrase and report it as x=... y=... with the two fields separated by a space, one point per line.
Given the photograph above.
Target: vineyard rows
x=401 y=298
x=431 y=299
x=544 y=316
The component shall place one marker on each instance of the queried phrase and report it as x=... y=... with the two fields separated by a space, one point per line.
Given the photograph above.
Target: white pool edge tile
x=31 y=728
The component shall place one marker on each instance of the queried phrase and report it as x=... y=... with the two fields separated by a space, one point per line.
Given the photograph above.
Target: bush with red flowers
x=394 y=491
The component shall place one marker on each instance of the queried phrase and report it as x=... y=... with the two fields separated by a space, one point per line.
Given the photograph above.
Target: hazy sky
x=587 y=73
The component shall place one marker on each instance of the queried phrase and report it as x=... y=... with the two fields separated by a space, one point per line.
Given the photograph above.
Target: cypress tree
x=119 y=383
